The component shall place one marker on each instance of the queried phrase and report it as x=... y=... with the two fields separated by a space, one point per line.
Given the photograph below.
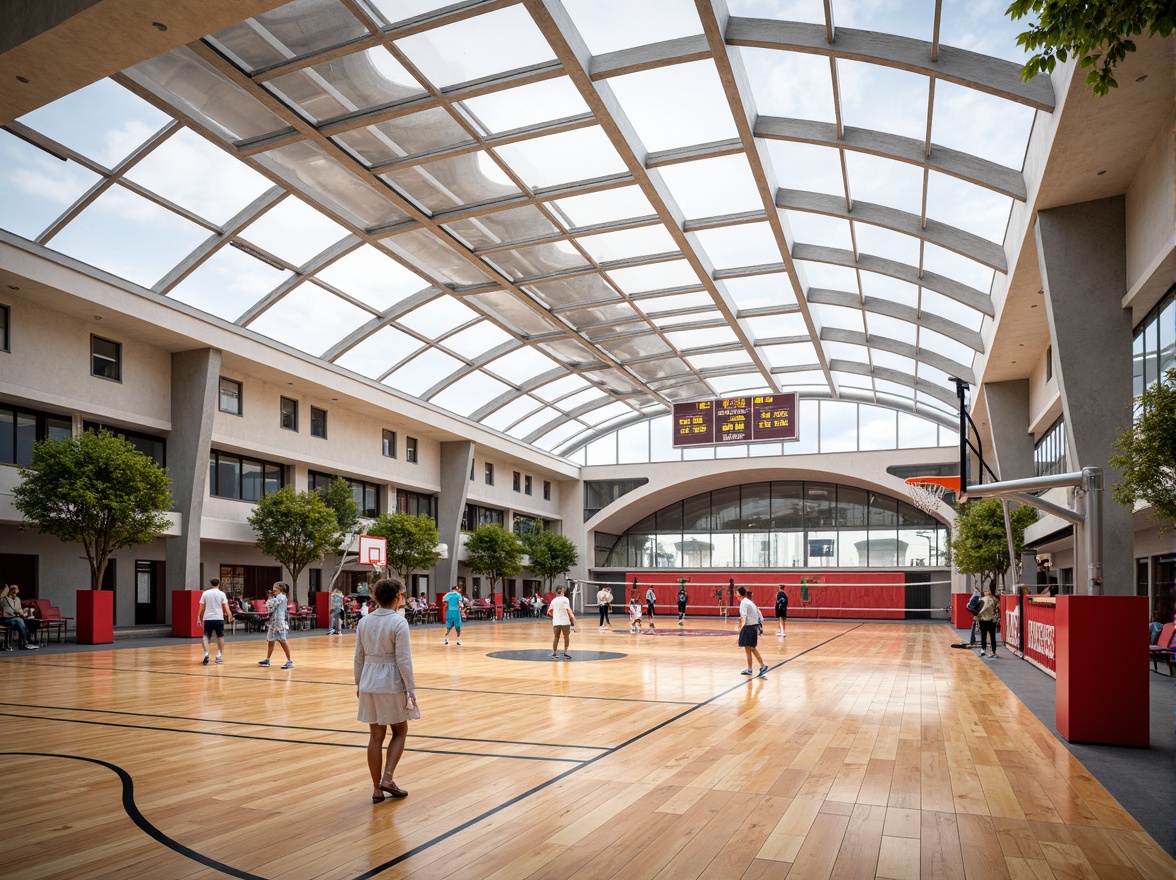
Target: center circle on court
x=544 y=655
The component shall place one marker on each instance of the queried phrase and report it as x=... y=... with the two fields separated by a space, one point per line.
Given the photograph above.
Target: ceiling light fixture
x=22 y=79
x=13 y=287
x=1101 y=173
x=1140 y=79
x=159 y=26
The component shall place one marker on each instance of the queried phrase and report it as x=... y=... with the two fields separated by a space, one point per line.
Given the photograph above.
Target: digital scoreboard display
x=749 y=419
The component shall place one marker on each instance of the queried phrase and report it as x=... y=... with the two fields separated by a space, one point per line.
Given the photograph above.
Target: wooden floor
x=868 y=751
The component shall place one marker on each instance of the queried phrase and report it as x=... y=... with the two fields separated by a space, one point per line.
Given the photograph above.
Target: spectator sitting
x=1155 y=628
x=15 y=617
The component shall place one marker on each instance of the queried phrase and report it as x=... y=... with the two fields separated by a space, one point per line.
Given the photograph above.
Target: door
x=150 y=592
x=918 y=596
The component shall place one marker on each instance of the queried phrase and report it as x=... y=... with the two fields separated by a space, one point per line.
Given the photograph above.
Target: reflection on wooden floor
x=868 y=750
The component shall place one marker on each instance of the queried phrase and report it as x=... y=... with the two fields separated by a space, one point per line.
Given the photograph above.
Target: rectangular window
x=527 y=485
x=517 y=481
x=289 y=410
x=318 y=422
x=1048 y=362
x=414 y=503
x=473 y=464
x=489 y=474
x=154 y=448
x=366 y=495
x=105 y=359
x=410 y=450
x=230 y=396
x=4 y=319
x=242 y=478
x=546 y=490
x=389 y=447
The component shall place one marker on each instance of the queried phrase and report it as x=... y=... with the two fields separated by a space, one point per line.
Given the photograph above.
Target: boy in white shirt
x=562 y=622
x=750 y=619
x=212 y=613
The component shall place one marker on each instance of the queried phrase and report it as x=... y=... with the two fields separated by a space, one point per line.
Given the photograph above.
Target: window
x=1049 y=453
x=20 y=429
x=230 y=396
x=366 y=495
x=4 y=319
x=1048 y=362
x=414 y=503
x=318 y=422
x=476 y=515
x=517 y=481
x=546 y=490
x=410 y=450
x=489 y=474
x=289 y=410
x=154 y=448
x=473 y=464
x=242 y=478
x=527 y=525
x=105 y=359
x=389 y=447
x=527 y=485
x=1153 y=350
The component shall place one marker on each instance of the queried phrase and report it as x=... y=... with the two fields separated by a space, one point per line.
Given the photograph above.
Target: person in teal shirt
x=452 y=601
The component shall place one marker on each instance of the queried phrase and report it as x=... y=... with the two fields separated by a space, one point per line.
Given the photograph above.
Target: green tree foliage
x=1147 y=453
x=295 y=528
x=494 y=552
x=1100 y=31
x=978 y=542
x=341 y=499
x=552 y=554
x=412 y=541
x=95 y=489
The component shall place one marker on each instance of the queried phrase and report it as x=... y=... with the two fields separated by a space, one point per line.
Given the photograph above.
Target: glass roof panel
x=777 y=326
x=103 y=122
x=558 y=435
x=982 y=125
x=732 y=247
x=891 y=328
x=647 y=22
x=719 y=360
x=372 y=277
x=908 y=19
x=558 y=388
x=627 y=243
x=843 y=351
x=885 y=182
x=377 y=354
x=972 y=26
x=525 y=106
x=469 y=393
x=515 y=313
x=581 y=398
x=602 y=315
x=902 y=392
x=892 y=361
x=449 y=183
x=761 y=291
x=750 y=383
x=432 y=258
x=675 y=106
x=228 y=283
x=309 y=319
x=807 y=167
x=799 y=354
x=437 y=317
x=567 y=157
x=488 y=230
x=424 y=371
x=534 y=422
x=890 y=289
x=887 y=243
x=123 y=233
x=521 y=365
x=606 y=206
x=189 y=171
x=853 y=380
x=809 y=228
x=476 y=340
x=582 y=289
x=341 y=86
x=711 y=187
x=423 y=132
x=939 y=378
x=394 y=11
x=967 y=206
x=294 y=231
x=289 y=31
x=665 y=323
x=938 y=304
x=686 y=339
x=604 y=413
x=783 y=10
x=36 y=188
x=501 y=40
x=829 y=277
x=570 y=352
x=655 y=276
x=883 y=98
x=941 y=344
x=552 y=258
x=511 y=412
x=661 y=304
x=838 y=316
x=790 y=84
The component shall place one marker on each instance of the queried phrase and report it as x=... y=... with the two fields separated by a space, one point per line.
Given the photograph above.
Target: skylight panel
x=103 y=122
x=451 y=182
x=582 y=289
x=394 y=11
x=743 y=383
x=915 y=432
x=676 y=106
x=630 y=348
x=469 y=393
x=838 y=316
x=309 y=319
x=189 y=171
x=432 y=259
x=521 y=365
x=938 y=304
x=581 y=398
x=688 y=339
x=359 y=81
x=668 y=322
x=558 y=435
x=560 y=388
x=501 y=227
x=829 y=276
x=549 y=258
x=981 y=28
x=627 y=243
x=372 y=277
x=611 y=315
x=515 y=313
x=498 y=41
x=606 y=206
x=129 y=236
x=411 y=135
x=228 y=283
x=567 y=157
x=798 y=354
x=761 y=291
x=656 y=276
x=877 y=428
x=570 y=352
x=35 y=188
x=903 y=392
x=940 y=344
x=733 y=247
x=534 y=422
x=843 y=351
x=886 y=243
x=883 y=98
x=907 y=19
x=982 y=125
x=294 y=231
x=777 y=326
x=510 y=412
x=661 y=304
x=790 y=84
x=853 y=380
x=968 y=207
x=475 y=341
x=801 y=380
x=885 y=182
x=890 y=289
x=375 y=355
x=806 y=167
x=438 y=317
x=940 y=379
x=423 y=372
x=892 y=361
x=650 y=21
x=891 y=328
x=528 y=105
x=712 y=187
x=809 y=228
x=719 y=360
x=289 y=31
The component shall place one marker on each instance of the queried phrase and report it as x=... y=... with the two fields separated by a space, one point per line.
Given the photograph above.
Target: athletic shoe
x=330 y=632
x=555 y=656
x=763 y=671
x=264 y=662
x=32 y=647
x=289 y=664
x=205 y=661
x=651 y=626
x=566 y=655
x=745 y=672
x=447 y=641
x=220 y=659
x=459 y=643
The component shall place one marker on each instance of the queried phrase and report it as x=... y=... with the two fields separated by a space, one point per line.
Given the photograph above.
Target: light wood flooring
x=868 y=751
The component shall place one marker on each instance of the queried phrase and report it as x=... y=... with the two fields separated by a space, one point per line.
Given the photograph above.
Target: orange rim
x=950 y=483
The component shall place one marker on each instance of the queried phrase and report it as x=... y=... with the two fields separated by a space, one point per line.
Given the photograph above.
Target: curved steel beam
x=879 y=306
x=904 y=349
x=919 y=385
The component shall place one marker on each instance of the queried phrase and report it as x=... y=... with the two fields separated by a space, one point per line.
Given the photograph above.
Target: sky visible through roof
x=559 y=219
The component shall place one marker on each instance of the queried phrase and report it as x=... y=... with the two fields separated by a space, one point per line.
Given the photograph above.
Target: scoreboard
x=751 y=419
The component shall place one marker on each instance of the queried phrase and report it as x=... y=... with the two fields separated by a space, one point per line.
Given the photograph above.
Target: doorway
x=150 y=592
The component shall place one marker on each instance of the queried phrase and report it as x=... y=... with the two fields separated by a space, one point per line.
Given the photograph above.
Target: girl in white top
x=277 y=625
x=604 y=598
x=750 y=619
x=634 y=615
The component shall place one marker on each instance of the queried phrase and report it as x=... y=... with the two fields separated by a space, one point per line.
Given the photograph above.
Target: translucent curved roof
x=559 y=218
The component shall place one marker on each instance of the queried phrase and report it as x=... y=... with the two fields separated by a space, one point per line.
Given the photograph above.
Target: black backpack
x=974 y=603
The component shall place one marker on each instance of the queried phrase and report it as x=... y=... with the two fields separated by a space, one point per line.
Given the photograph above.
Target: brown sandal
x=393 y=790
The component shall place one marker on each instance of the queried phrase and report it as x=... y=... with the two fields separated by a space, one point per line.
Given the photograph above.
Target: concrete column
x=195 y=385
x=1008 y=417
x=1081 y=251
x=456 y=458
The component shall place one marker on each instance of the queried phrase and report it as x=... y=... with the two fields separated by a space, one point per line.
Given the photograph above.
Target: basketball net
x=927 y=492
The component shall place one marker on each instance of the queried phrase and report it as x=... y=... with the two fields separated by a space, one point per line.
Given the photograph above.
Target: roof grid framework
x=523 y=200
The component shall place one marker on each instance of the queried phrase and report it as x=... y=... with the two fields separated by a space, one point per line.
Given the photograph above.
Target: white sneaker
x=459 y=643
x=447 y=641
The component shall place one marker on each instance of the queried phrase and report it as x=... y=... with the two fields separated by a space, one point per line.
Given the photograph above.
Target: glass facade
x=780 y=524
x=1154 y=348
x=241 y=477
x=1049 y=453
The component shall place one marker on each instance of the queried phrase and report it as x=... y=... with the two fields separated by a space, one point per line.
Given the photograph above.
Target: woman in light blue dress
x=277 y=624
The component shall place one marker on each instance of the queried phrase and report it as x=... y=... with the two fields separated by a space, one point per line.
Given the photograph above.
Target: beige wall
x=1151 y=210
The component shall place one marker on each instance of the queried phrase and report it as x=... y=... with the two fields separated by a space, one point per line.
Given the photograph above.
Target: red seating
x=1164 y=649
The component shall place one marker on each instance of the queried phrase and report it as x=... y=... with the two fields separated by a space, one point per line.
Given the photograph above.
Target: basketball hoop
x=373 y=550
x=927 y=492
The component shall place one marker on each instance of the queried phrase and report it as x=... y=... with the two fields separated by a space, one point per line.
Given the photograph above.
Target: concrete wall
x=1150 y=207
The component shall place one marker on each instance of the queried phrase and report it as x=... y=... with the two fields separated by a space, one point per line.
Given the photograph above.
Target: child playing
x=634 y=615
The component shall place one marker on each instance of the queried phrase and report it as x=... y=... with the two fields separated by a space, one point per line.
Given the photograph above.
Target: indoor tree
x=1147 y=453
x=494 y=552
x=552 y=554
x=341 y=499
x=296 y=529
x=412 y=542
x=95 y=489
x=978 y=542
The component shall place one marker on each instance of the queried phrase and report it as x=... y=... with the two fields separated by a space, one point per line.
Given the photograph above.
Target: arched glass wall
x=779 y=524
